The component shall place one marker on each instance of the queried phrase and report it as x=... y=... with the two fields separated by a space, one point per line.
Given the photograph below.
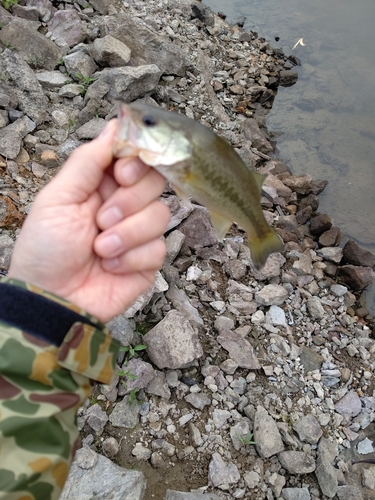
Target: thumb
x=83 y=171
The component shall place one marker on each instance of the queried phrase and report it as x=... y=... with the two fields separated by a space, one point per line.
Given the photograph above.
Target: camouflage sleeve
x=49 y=351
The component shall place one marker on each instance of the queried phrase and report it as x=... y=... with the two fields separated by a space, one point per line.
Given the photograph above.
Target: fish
x=201 y=165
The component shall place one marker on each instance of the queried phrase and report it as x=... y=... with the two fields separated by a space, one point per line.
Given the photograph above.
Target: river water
x=327 y=120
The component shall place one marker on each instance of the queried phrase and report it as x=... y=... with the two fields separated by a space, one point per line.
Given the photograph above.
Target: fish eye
x=149 y=120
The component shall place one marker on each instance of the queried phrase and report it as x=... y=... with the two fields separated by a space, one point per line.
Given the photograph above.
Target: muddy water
x=327 y=120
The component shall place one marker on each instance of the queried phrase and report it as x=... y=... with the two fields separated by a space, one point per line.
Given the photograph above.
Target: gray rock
x=325 y=473
x=332 y=254
x=91 y=129
x=180 y=210
x=6 y=248
x=174 y=243
x=310 y=359
x=122 y=329
x=276 y=316
x=32 y=46
x=198 y=229
x=129 y=83
x=235 y=269
x=251 y=479
x=125 y=414
x=179 y=495
x=303 y=265
x=160 y=285
x=43 y=7
x=238 y=432
x=11 y=136
x=51 y=80
x=79 y=65
x=297 y=462
x=240 y=350
x=143 y=373
x=103 y=480
x=350 y=405
x=158 y=386
x=339 y=290
x=67 y=27
x=267 y=436
x=25 y=84
x=315 y=308
x=221 y=472
x=71 y=90
x=308 y=429
x=109 y=51
x=295 y=494
x=96 y=418
x=110 y=447
x=141 y=452
x=145 y=44
x=271 y=269
x=271 y=295
x=181 y=302
x=220 y=417
x=195 y=435
x=173 y=343
x=198 y=400
x=365 y=446
x=349 y=493
x=110 y=390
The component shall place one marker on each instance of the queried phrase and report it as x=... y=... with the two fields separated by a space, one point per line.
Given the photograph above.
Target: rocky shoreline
x=254 y=384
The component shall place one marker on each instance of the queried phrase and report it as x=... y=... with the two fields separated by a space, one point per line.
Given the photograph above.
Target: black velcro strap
x=37 y=315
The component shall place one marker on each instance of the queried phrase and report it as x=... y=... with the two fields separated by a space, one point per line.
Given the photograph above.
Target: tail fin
x=261 y=248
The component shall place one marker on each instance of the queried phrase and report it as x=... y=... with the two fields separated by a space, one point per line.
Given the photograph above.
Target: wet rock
x=267 y=436
x=109 y=51
x=104 y=479
x=252 y=132
x=240 y=350
x=356 y=277
x=198 y=229
x=288 y=78
x=221 y=473
x=271 y=295
x=357 y=256
x=172 y=343
x=24 y=83
x=129 y=83
x=308 y=429
x=67 y=27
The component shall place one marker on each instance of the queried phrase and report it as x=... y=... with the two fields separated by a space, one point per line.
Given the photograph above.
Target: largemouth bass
x=200 y=165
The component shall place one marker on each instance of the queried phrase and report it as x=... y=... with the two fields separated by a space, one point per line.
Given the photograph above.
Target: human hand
x=93 y=233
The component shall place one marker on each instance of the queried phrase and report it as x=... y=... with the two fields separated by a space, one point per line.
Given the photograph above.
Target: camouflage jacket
x=49 y=351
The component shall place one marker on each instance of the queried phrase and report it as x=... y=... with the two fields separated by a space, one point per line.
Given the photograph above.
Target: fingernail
x=109 y=244
x=109 y=217
x=110 y=264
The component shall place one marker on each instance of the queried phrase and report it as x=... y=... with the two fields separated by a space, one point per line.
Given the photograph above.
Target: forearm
x=49 y=351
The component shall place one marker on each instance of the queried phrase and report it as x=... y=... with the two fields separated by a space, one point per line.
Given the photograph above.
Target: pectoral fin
x=221 y=224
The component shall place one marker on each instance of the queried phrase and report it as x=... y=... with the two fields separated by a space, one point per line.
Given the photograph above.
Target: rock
x=339 y=290
x=252 y=132
x=181 y=302
x=330 y=238
x=267 y=436
x=174 y=242
x=315 y=307
x=271 y=295
x=6 y=247
x=91 y=129
x=325 y=473
x=288 y=78
x=8 y=212
x=71 y=90
x=172 y=343
x=296 y=494
x=349 y=493
x=110 y=390
x=11 y=136
x=96 y=418
x=43 y=7
x=160 y=285
x=141 y=452
x=251 y=479
x=143 y=372
x=79 y=65
x=203 y=13
x=221 y=472
x=31 y=45
x=147 y=45
x=332 y=254
x=179 y=495
x=240 y=350
x=104 y=480
x=122 y=329
x=199 y=400
x=51 y=80
x=235 y=269
x=110 y=447
x=109 y=51
x=179 y=210
x=368 y=478
x=158 y=386
x=129 y=83
x=25 y=84
x=320 y=224
x=365 y=446
x=356 y=277
x=239 y=432
x=67 y=27
x=300 y=184
x=308 y=429
x=297 y=462
x=198 y=229
x=357 y=256
x=125 y=414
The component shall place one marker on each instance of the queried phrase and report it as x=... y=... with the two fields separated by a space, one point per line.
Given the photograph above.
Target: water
x=326 y=120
